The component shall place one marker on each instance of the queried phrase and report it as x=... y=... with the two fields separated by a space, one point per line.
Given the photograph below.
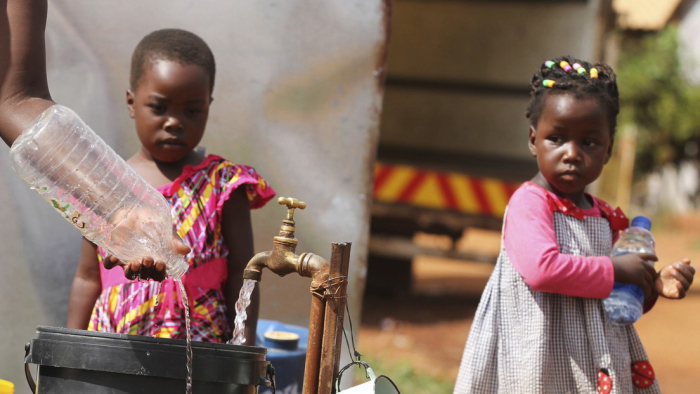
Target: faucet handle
x=292 y=204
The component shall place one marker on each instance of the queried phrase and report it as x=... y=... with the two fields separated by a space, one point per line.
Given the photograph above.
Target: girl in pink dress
x=540 y=326
x=172 y=78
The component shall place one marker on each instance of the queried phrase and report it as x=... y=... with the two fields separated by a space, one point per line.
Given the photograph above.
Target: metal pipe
x=334 y=315
x=341 y=298
x=313 y=348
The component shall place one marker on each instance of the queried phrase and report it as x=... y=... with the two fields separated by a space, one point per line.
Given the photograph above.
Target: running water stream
x=186 y=304
x=238 y=333
x=241 y=314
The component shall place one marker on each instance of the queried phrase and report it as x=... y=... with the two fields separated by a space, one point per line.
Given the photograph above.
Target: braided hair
x=175 y=45
x=556 y=77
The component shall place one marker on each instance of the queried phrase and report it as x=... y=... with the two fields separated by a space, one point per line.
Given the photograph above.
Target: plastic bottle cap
x=641 y=221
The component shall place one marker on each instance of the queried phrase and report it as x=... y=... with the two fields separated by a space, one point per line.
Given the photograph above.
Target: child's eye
x=590 y=143
x=554 y=138
x=194 y=111
x=157 y=107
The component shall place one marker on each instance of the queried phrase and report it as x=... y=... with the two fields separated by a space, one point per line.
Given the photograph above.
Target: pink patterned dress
x=150 y=308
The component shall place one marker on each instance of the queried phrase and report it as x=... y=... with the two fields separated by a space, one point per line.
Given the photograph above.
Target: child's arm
x=674 y=280
x=86 y=288
x=24 y=90
x=237 y=230
x=531 y=244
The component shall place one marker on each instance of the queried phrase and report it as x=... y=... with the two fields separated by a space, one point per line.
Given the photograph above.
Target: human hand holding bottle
x=675 y=279
x=147 y=268
x=633 y=268
x=140 y=225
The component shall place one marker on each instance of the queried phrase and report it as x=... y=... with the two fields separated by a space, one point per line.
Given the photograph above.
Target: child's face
x=170 y=108
x=572 y=142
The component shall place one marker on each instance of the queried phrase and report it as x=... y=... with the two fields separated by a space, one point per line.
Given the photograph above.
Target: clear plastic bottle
x=625 y=304
x=93 y=188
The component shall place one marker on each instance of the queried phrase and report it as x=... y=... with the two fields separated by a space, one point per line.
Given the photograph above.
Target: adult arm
x=24 y=91
x=532 y=247
x=237 y=230
x=86 y=288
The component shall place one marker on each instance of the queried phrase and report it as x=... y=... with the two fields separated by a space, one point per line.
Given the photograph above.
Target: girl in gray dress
x=540 y=325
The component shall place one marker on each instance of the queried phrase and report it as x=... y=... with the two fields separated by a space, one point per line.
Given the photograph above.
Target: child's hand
x=675 y=279
x=632 y=268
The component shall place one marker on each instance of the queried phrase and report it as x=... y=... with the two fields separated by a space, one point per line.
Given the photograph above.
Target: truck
x=453 y=135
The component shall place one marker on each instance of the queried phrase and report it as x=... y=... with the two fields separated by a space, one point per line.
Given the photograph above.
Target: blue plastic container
x=286 y=354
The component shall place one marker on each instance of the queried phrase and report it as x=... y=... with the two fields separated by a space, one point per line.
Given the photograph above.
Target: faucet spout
x=255 y=266
x=283 y=262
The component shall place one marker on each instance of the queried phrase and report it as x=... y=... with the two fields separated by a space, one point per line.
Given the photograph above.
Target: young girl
x=540 y=326
x=172 y=78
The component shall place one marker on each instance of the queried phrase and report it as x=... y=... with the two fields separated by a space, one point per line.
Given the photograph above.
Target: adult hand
x=633 y=268
x=146 y=268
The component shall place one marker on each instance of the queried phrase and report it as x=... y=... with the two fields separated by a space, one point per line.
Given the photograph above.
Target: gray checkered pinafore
x=524 y=341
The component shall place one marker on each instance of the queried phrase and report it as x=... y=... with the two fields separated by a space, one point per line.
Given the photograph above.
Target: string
x=352 y=350
x=352 y=337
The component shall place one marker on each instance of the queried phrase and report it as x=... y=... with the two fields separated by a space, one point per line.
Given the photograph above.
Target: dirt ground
x=430 y=327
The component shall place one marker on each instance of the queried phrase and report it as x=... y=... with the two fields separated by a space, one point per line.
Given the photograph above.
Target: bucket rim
x=147 y=339
x=70 y=349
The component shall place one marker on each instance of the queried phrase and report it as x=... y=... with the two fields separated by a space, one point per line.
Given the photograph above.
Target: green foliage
x=406 y=378
x=657 y=98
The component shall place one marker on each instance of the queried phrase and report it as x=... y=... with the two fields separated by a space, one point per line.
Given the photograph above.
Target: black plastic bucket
x=77 y=361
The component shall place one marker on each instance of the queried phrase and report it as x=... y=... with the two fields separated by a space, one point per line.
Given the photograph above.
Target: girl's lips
x=570 y=172
x=172 y=142
x=569 y=175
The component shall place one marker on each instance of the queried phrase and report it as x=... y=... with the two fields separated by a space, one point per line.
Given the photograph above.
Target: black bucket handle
x=27 y=372
x=270 y=377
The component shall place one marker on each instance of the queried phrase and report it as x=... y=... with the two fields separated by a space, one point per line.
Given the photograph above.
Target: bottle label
x=73 y=217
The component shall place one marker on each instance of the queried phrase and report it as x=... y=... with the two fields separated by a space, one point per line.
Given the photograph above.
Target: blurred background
x=412 y=159
x=452 y=148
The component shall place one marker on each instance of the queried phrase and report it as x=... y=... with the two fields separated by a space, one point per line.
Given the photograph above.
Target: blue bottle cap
x=641 y=221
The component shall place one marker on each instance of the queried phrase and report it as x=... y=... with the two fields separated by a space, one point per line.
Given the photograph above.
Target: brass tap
x=282 y=259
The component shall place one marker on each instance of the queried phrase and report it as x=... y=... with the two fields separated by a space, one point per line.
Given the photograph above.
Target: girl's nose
x=571 y=152
x=173 y=124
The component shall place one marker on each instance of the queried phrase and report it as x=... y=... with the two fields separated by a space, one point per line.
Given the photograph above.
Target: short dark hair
x=569 y=80
x=175 y=45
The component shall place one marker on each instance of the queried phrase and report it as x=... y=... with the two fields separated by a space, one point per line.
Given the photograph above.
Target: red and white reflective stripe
x=441 y=190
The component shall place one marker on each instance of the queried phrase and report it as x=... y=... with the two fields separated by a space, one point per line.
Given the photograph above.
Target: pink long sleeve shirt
x=531 y=244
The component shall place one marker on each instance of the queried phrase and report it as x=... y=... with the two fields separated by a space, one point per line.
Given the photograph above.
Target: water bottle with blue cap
x=625 y=304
